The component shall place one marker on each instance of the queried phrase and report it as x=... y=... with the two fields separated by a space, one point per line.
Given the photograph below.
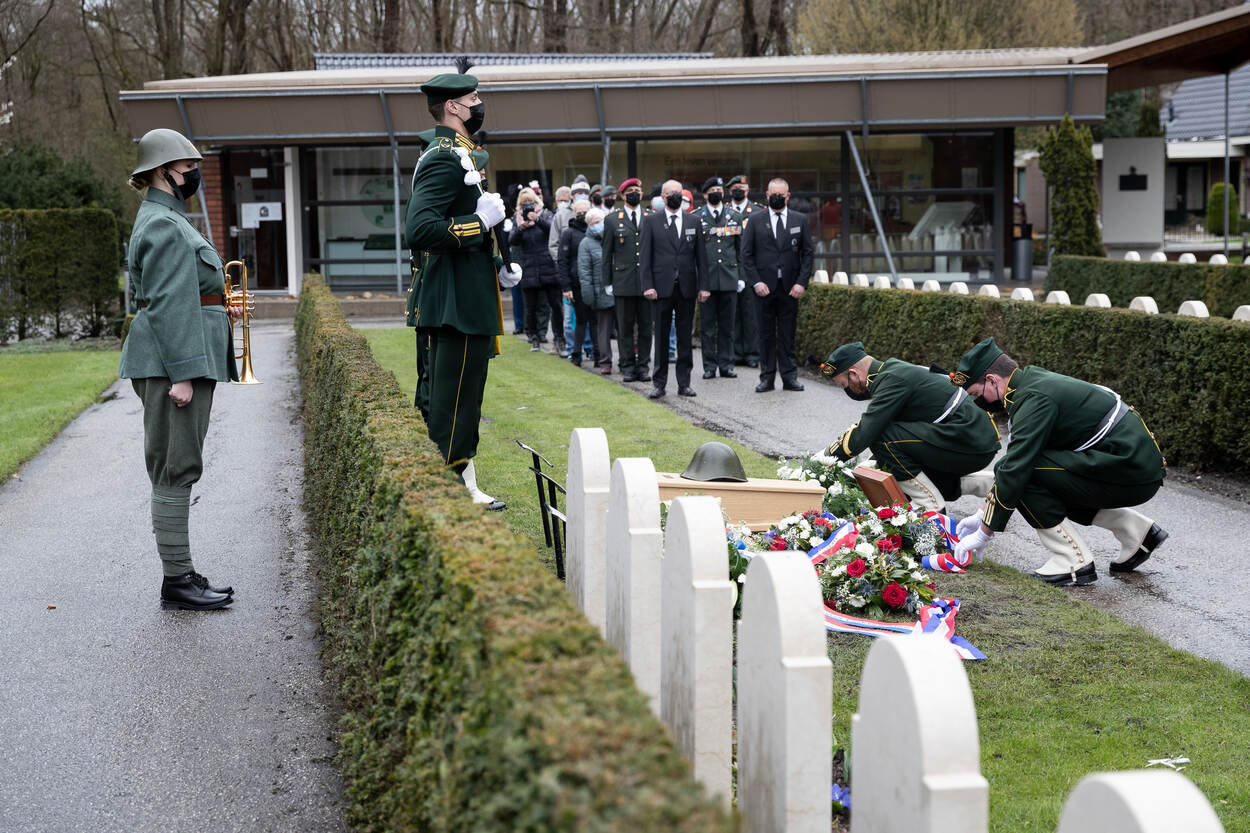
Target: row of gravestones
x=1187 y=257
x=1143 y=303
x=664 y=599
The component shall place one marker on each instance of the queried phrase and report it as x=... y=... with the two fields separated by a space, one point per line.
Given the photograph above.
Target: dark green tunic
x=899 y=427
x=1045 y=477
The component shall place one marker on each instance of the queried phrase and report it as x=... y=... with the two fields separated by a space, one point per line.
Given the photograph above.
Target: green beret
x=842 y=358
x=975 y=362
x=447 y=86
x=740 y=179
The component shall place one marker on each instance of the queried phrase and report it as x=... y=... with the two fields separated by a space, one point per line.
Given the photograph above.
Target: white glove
x=490 y=209
x=967 y=525
x=742 y=285
x=608 y=289
x=510 y=276
x=970 y=545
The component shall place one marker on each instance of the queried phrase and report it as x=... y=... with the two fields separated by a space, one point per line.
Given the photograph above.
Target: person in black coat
x=531 y=227
x=570 y=283
x=777 y=262
x=673 y=268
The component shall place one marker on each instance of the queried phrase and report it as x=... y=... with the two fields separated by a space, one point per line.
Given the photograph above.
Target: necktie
x=672 y=225
x=778 y=228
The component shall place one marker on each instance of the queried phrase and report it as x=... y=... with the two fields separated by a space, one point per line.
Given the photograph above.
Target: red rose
x=890 y=543
x=885 y=512
x=896 y=541
x=894 y=595
x=777 y=544
x=856 y=568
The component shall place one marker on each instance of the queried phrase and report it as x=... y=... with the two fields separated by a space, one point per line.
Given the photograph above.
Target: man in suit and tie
x=674 y=277
x=622 y=253
x=777 y=263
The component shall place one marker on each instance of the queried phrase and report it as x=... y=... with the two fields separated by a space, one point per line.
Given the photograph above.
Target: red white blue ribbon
x=843 y=536
x=937 y=617
x=944 y=561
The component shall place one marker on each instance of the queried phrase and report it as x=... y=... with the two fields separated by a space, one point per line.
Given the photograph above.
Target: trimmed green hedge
x=1187 y=376
x=58 y=269
x=1221 y=288
x=475 y=695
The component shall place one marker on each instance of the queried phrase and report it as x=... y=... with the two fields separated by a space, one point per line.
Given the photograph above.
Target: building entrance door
x=257 y=224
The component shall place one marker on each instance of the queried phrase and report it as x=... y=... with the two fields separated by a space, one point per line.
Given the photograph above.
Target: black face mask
x=595 y=199
x=477 y=115
x=673 y=201
x=632 y=199
x=714 y=198
x=738 y=194
x=609 y=202
x=776 y=202
x=578 y=222
x=987 y=406
x=858 y=397
x=190 y=183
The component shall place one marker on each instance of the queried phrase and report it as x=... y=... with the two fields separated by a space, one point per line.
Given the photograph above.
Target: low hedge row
x=475 y=695
x=1186 y=376
x=1221 y=288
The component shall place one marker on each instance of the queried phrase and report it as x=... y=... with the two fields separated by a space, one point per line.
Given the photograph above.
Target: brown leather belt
x=215 y=300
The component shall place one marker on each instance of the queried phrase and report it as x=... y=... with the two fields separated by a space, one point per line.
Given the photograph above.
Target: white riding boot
x=470 y=481
x=922 y=493
x=1071 y=561
x=1138 y=535
x=977 y=484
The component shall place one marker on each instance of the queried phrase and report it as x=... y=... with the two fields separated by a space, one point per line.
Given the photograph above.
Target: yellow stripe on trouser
x=456 y=411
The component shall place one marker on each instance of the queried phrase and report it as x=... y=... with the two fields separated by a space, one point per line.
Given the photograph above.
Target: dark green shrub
x=1067 y=162
x=475 y=695
x=1183 y=374
x=1215 y=210
x=1221 y=288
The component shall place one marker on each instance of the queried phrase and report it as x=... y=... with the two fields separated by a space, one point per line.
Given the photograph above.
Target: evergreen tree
x=1215 y=210
x=1067 y=162
x=34 y=176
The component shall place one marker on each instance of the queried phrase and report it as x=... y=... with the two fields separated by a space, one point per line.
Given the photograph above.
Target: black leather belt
x=476 y=247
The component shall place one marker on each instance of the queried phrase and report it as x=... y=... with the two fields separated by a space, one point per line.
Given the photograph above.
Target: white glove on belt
x=970 y=545
x=510 y=276
x=490 y=209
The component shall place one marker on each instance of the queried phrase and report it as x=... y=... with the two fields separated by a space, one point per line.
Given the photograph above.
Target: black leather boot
x=185 y=593
x=203 y=582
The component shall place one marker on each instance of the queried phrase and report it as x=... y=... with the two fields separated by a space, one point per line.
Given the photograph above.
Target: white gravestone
x=1187 y=257
x=1194 y=309
x=1022 y=293
x=906 y=283
x=590 y=470
x=1158 y=257
x=860 y=280
x=1058 y=296
x=914 y=696
x=841 y=279
x=632 y=615
x=931 y=286
x=1142 y=801
x=1218 y=260
x=1144 y=303
x=696 y=640
x=1098 y=299
x=1242 y=313
x=958 y=288
x=785 y=684
x=989 y=291
x=1132 y=255
x=820 y=276
x=881 y=282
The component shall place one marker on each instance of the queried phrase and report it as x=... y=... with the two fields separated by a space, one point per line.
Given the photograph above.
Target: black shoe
x=1156 y=536
x=727 y=373
x=656 y=393
x=184 y=593
x=629 y=377
x=709 y=374
x=534 y=348
x=1083 y=576
x=686 y=390
x=752 y=363
x=575 y=360
x=644 y=376
x=203 y=582
x=763 y=387
x=791 y=384
x=496 y=506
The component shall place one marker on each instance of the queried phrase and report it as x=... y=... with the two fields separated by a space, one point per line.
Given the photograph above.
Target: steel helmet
x=162 y=146
x=715 y=461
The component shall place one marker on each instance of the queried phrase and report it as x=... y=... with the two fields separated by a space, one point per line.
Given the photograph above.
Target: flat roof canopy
x=806 y=95
x=1209 y=45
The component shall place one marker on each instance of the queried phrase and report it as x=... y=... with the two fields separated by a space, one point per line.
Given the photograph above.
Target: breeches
x=903 y=451
x=456 y=368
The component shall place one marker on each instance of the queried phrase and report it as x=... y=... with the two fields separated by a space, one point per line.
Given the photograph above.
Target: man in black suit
x=777 y=262
x=674 y=276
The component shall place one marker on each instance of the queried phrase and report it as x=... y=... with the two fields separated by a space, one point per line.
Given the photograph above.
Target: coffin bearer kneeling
x=1076 y=455
x=936 y=444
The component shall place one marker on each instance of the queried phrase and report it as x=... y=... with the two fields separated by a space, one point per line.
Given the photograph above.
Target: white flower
x=864 y=548
x=742 y=577
x=836 y=488
x=898 y=520
x=815 y=540
x=918 y=576
x=472 y=178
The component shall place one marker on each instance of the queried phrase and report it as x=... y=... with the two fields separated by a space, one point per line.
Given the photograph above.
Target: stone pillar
x=914 y=695
x=696 y=640
x=632 y=614
x=294 y=213
x=785 y=711
x=1143 y=801
x=587 y=509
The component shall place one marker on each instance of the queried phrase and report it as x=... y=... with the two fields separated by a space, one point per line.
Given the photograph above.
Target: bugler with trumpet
x=240 y=297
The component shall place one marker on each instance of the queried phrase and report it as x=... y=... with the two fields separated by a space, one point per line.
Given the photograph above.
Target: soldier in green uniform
x=421 y=399
x=178 y=348
x=622 y=262
x=1075 y=454
x=458 y=308
x=934 y=442
x=746 y=316
x=723 y=233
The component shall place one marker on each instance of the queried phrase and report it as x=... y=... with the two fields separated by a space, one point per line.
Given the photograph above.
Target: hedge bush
x=1185 y=375
x=58 y=271
x=1221 y=288
x=1215 y=210
x=475 y=695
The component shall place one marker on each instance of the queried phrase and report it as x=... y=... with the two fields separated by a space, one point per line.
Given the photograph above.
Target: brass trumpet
x=240 y=297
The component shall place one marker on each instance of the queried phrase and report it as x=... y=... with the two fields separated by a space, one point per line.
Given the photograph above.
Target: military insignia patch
x=959 y=379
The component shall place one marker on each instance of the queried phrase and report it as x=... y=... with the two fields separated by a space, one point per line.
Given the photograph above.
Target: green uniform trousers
x=456 y=369
x=1054 y=493
x=902 y=451
x=421 y=399
x=173 y=449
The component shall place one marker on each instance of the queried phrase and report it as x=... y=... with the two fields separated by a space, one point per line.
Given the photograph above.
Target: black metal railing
x=549 y=507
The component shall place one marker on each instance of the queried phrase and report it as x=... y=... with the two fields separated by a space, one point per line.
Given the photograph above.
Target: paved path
x=118 y=716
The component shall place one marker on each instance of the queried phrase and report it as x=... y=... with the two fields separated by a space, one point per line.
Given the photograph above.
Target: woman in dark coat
x=566 y=268
x=531 y=228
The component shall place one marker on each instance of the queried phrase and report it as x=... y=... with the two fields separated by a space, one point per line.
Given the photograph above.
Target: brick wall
x=215 y=201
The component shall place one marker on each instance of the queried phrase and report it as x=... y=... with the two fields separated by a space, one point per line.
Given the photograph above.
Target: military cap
x=447 y=86
x=609 y=191
x=975 y=362
x=740 y=179
x=712 y=182
x=629 y=183
x=842 y=358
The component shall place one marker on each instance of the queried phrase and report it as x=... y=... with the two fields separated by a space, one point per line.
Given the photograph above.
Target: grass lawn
x=1067 y=690
x=41 y=392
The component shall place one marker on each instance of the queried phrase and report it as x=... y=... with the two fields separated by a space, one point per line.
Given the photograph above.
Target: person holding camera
x=531 y=229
